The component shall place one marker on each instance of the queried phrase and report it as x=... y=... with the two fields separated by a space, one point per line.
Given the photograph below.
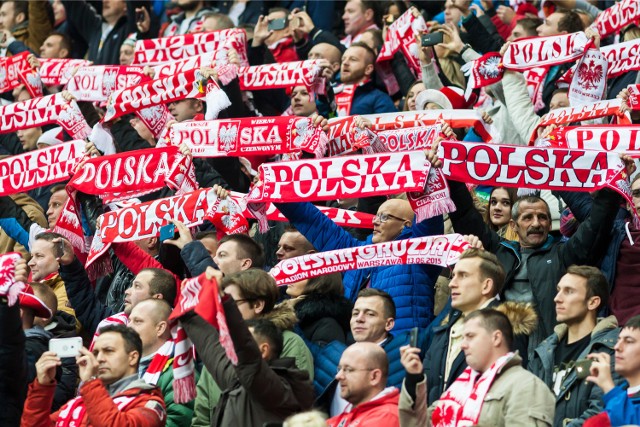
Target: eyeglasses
x=384 y=217
x=349 y=370
x=635 y=193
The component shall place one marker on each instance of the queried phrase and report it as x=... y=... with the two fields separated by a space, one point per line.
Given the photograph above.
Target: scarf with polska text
x=73 y=412
x=442 y=250
x=461 y=404
x=594 y=110
x=95 y=83
x=533 y=167
x=189 y=84
x=609 y=138
x=39 y=168
x=634 y=97
x=43 y=111
x=621 y=58
x=200 y=294
x=58 y=71
x=616 y=17
x=16 y=70
x=250 y=136
x=282 y=75
x=163 y=50
x=226 y=71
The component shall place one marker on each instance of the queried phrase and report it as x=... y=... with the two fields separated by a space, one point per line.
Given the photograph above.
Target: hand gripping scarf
x=281 y=76
x=190 y=84
x=616 y=17
x=433 y=250
x=175 y=48
x=250 y=136
x=35 y=169
x=58 y=72
x=9 y=288
x=461 y=404
x=200 y=294
x=42 y=111
x=15 y=70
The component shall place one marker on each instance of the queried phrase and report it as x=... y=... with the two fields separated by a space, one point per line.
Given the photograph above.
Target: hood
x=314 y=307
x=282 y=316
x=63 y=325
x=604 y=324
x=38 y=333
x=522 y=316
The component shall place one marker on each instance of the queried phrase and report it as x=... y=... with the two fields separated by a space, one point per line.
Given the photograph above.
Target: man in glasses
x=410 y=286
x=362 y=375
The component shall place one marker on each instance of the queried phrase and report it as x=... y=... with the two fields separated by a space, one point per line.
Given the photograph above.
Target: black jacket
x=13 y=365
x=323 y=318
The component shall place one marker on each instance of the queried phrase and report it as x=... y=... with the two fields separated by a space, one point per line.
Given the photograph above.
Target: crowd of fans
x=536 y=324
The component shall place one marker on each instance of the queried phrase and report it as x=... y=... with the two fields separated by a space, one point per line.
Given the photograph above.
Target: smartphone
x=413 y=337
x=431 y=39
x=583 y=368
x=66 y=347
x=60 y=248
x=167 y=232
x=140 y=17
x=277 y=24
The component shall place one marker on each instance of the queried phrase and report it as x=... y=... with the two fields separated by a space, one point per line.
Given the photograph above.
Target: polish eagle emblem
x=590 y=74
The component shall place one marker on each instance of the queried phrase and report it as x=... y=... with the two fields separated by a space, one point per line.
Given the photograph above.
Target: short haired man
x=477 y=280
x=292 y=243
x=264 y=386
x=110 y=386
x=329 y=53
x=57 y=45
x=493 y=370
x=57 y=201
x=582 y=293
x=621 y=402
x=255 y=294
x=359 y=16
x=357 y=94
x=362 y=374
x=562 y=21
x=150 y=319
x=238 y=252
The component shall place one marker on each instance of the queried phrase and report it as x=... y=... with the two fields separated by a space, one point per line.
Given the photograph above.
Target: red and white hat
x=448 y=98
x=29 y=300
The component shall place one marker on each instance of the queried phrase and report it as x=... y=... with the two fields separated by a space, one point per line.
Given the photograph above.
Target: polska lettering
x=96 y=83
x=616 y=17
x=616 y=139
x=542 y=51
x=283 y=75
x=57 y=72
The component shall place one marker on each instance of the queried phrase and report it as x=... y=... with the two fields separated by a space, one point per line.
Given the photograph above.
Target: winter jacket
x=173 y=29
x=63 y=325
x=35 y=213
x=89 y=24
x=549 y=262
x=37 y=343
x=37 y=28
x=517 y=398
x=523 y=318
x=578 y=399
x=410 y=286
x=57 y=286
x=376 y=412
x=13 y=365
x=145 y=410
x=323 y=318
x=255 y=391
x=369 y=100
x=622 y=408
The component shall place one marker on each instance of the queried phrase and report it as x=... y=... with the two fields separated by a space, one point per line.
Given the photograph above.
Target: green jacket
x=208 y=392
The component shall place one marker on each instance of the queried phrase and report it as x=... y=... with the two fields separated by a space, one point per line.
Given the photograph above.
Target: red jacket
x=146 y=410
x=382 y=411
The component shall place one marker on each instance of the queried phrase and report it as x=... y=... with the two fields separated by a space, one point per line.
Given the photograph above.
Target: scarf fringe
x=184 y=389
x=216 y=100
x=435 y=208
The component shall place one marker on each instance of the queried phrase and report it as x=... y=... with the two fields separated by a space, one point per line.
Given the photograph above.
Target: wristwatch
x=464 y=48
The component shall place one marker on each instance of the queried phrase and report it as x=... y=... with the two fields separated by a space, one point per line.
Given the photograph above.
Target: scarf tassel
x=435 y=208
x=216 y=100
x=184 y=389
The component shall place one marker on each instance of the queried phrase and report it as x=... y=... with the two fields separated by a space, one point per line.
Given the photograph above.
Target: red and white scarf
x=609 y=138
x=482 y=72
x=461 y=403
x=115 y=319
x=621 y=58
x=535 y=84
x=14 y=71
x=589 y=83
x=73 y=412
x=189 y=84
x=433 y=250
x=533 y=52
x=175 y=48
x=594 y=110
x=634 y=97
x=533 y=167
x=9 y=288
x=58 y=72
x=168 y=69
x=35 y=169
x=42 y=111
x=32 y=81
x=281 y=76
x=616 y=17
x=344 y=94
x=96 y=83
x=250 y=136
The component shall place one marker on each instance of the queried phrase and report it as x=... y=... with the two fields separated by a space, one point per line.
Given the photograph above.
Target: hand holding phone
x=168 y=232
x=413 y=337
x=583 y=367
x=431 y=39
x=140 y=17
x=66 y=347
x=277 y=24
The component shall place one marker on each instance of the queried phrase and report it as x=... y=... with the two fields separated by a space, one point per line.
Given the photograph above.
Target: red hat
x=448 y=98
x=29 y=300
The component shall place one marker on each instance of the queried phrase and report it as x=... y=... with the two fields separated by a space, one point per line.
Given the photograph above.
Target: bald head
x=362 y=372
x=393 y=215
x=149 y=318
x=326 y=51
x=374 y=354
x=158 y=310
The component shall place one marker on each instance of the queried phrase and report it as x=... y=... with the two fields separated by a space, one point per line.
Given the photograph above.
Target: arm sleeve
x=39 y=24
x=13 y=363
x=15 y=221
x=83 y=17
x=196 y=258
x=402 y=73
x=36 y=407
x=519 y=104
x=620 y=408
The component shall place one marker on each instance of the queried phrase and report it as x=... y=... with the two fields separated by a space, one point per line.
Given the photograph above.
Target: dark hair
x=402 y=7
x=530 y=25
x=515 y=209
x=132 y=341
x=597 y=285
x=280 y=9
x=375 y=6
x=57 y=188
x=490 y=267
x=65 y=42
x=377 y=38
x=266 y=330
x=570 y=21
x=633 y=323
x=560 y=90
x=494 y=320
x=49 y=236
x=329 y=284
x=162 y=283
x=20 y=6
x=247 y=248
x=387 y=301
x=255 y=285
x=206 y=234
x=370 y=52
x=513 y=196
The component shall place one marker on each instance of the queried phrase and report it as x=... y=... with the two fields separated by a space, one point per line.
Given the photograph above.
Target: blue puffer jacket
x=369 y=100
x=622 y=408
x=410 y=286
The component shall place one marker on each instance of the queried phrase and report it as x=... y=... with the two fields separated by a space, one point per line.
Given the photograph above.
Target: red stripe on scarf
x=616 y=17
x=533 y=52
x=57 y=71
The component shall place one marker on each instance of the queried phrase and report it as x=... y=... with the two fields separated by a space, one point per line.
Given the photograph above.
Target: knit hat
x=568 y=223
x=130 y=40
x=448 y=98
x=29 y=300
